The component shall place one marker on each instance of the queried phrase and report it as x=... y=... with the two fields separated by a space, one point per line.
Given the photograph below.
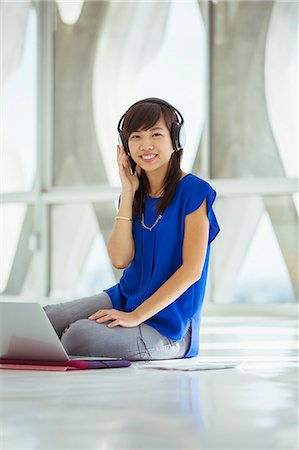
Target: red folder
x=74 y=364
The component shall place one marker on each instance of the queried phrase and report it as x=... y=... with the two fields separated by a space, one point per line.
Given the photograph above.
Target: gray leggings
x=84 y=337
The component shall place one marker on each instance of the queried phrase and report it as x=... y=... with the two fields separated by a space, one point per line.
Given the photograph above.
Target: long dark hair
x=142 y=117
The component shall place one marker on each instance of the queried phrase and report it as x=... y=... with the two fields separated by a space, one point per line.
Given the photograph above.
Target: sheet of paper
x=186 y=366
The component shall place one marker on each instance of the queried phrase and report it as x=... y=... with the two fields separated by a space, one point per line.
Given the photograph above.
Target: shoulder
x=193 y=182
x=195 y=191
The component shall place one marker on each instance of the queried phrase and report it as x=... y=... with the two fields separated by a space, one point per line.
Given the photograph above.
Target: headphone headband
x=153 y=100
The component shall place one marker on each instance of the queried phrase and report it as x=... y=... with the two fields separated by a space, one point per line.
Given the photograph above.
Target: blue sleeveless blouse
x=158 y=254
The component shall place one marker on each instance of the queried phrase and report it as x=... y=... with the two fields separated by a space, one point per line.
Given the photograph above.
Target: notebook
x=28 y=341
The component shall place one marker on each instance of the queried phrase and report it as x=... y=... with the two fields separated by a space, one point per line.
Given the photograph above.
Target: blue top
x=158 y=254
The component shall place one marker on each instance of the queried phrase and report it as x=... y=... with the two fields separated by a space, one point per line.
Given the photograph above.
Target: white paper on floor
x=178 y=365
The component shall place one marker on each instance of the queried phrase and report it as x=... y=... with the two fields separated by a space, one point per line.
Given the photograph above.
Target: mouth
x=148 y=158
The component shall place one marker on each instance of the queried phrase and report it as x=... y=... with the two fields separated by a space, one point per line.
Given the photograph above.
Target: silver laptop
x=27 y=333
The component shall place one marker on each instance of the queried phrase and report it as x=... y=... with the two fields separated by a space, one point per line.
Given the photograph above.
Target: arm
x=194 y=252
x=121 y=246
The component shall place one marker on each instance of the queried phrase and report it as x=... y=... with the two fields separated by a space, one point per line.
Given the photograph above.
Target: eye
x=157 y=134
x=135 y=136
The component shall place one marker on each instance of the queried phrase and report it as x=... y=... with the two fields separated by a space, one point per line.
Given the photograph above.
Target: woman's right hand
x=130 y=183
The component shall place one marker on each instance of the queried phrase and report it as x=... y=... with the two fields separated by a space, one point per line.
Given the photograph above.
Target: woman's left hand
x=124 y=319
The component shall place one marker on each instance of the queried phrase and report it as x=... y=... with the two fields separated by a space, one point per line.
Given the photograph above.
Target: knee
x=77 y=338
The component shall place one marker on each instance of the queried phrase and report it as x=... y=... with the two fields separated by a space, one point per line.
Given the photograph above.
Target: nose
x=146 y=144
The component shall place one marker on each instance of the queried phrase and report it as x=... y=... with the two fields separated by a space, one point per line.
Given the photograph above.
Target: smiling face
x=151 y=149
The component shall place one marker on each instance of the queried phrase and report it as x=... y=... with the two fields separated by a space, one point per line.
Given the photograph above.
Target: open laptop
x=26 y=333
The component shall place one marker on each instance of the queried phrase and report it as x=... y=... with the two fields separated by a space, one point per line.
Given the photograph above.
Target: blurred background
x=70 y=69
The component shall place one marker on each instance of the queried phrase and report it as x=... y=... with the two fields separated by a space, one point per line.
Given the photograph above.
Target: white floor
x=251 y=406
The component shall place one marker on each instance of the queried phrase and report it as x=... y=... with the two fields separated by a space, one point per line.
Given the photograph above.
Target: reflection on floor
x=252 y=406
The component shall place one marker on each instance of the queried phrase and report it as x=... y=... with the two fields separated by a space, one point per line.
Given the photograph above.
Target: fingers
x=123 y=160
x=103 y=316
x=122 y=157
x=114 y=324
x=100 y=313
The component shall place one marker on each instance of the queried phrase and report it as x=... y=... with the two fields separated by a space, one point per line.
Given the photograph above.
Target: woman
x=161 y=237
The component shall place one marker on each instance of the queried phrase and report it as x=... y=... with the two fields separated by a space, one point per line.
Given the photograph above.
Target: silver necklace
x=150 y=228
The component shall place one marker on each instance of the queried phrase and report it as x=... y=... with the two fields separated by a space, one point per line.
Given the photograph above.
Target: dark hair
x=142 y=117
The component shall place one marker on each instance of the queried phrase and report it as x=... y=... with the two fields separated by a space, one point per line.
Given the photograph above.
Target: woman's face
x=151 y=149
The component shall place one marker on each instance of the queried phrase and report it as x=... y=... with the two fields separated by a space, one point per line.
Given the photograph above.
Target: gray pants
x=84 y=337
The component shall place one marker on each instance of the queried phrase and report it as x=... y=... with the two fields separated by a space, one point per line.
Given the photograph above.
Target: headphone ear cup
x=178 y=136
x=182 y=136
x=174 y=136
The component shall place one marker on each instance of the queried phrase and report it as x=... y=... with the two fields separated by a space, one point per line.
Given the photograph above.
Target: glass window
x=19 y=273
x=256 y=256
x=19 y=78
x=254 y=112
x=127 y=65
x=80 y=265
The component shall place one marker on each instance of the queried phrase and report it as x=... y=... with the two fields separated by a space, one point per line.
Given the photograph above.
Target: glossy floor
x=251 y=406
